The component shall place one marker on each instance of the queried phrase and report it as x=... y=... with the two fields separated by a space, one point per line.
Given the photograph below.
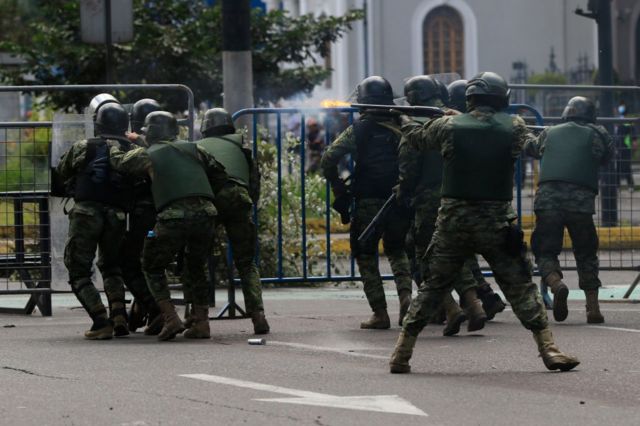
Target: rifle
x=396 y=110
x=342 y=203
x=375 y=223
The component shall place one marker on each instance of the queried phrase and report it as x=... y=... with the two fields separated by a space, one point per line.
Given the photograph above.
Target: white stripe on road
x=631 y=330
x=327 y=349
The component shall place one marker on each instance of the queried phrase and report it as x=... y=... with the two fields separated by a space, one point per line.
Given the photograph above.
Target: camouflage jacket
x=137 y=162
x=456 y=214
x=564 y=195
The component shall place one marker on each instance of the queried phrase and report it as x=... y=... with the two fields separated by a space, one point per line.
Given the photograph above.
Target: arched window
x=443 y=41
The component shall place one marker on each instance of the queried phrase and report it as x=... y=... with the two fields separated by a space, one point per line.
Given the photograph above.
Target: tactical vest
x=376 y=170
x=97 y=181
x=568 y=156
x=432 y=166
x=177 y=173
x=227 y=150
x=480 y=166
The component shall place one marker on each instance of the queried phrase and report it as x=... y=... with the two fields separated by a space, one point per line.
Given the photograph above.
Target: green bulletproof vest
x=480 y=166
x=432 y=166
x=177 y=173
x=568 y=156
x=227 y=150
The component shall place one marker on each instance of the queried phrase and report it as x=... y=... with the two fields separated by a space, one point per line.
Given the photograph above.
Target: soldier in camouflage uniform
x=141 y=220
x=184 y=178
x=570 y=154
x=419 y=186
x=235 y=205
x=476 y=216
x=98 y=220
x=373 y=142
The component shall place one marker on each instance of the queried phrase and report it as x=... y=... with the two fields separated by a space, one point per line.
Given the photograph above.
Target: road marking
x=327 y=349
x=377 y=403
x=631 y=330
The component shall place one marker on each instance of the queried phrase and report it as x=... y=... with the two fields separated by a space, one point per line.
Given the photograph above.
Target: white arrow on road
x=377 y=403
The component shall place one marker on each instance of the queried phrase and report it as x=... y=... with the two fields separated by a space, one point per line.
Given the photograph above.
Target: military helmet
x=421 y=89
x=374 y=90
x=111 y=119
x=160 y=125
x=139 y=112
x=457 y=98
x=98 y=101
x=217 y=121
x=490 y=86
x=444 y=93
x=580 y=108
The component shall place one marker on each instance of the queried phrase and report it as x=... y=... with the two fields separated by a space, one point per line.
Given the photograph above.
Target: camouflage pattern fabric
x=546 y=244
x=235 y=212
x=464 y=228
x=392 y=233
x=195 y=232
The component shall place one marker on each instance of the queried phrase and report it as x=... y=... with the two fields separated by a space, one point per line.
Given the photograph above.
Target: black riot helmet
x=444 y=93
x=374 y=90
x=457 y=97
x=112 y=119
x=217 y=122
x=160 y=126
x=139 y=112
x=421 y=90
x=581 y=109
x=99 y=101
x=488 y=88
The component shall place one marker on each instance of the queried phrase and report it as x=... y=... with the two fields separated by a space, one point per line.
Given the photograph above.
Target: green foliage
x=176 y=41
x=547 y=78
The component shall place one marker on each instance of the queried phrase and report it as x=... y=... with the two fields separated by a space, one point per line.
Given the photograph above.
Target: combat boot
x=137 y=316
x=492 y=303
x=172 y=324
x=473 y=308
x=260 y=324
x=189 y=317
x=399 y=363
x=119 y=319
x=455 y=316
x=200 y=327
x=560 y=295
x=551 y=356
x=405 y=302
x=102 y=329
x=378 y=321
x=593 y=307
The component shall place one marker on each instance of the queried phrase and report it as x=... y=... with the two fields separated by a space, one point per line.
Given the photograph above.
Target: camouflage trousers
x=92 y=226
x=393 y=234
x=426 y=214
x=235 y=213
x=449 y=250
x=160 y=249
x=141 y=221
x=546 y=244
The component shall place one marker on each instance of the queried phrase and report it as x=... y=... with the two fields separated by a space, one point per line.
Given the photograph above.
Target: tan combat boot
x=560 y=295
x=455 y=316
x=200 y=326
x=260 y=324
x=172 y=324
x=593 y=307
x=378 y=321
x=473 y=308
x=405 y=302
x=101 y=329
x=551 y=356
x=399 y=363
x=119 y=319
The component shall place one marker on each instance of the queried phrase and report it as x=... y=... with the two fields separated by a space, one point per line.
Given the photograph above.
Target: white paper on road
x=375 y=403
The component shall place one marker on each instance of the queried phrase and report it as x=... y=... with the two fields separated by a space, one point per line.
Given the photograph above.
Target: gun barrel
x=418 y=111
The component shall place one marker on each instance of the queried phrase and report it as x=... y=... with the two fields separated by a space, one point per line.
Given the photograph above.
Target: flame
x=333 y=103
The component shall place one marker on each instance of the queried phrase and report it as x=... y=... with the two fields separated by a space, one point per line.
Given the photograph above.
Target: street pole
x=237 y=70
x=107 y=41
x=600 y=11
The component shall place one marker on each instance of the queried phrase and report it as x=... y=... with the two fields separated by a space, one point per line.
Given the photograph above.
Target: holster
x=342 y=204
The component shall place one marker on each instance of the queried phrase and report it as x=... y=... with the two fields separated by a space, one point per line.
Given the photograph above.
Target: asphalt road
x=317 y=355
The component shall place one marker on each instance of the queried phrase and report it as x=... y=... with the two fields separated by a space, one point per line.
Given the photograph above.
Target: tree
x=176 y=41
